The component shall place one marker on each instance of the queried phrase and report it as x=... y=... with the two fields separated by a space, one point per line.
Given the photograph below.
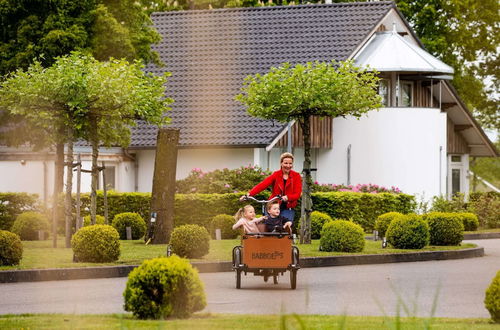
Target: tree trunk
x=306 y=207
x=105 y=194
x=163 y=195
x=69 y=187
x=95 y=170
x=58 y=188
x=79 y=223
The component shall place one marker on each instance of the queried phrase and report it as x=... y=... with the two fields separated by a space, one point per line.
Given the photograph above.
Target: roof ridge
x=288 y=7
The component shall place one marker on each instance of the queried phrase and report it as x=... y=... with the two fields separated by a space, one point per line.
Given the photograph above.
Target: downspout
x=440 y=168
x=136 y=168
x=349 y=165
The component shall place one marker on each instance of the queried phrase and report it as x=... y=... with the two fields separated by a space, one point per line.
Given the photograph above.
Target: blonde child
x=245 y=217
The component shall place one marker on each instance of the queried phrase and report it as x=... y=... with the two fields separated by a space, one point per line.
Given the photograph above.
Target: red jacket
x=293 y=188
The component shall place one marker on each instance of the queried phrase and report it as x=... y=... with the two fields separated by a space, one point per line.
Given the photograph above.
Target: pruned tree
x=80 y=97
x=298 y=92
x=117 y=94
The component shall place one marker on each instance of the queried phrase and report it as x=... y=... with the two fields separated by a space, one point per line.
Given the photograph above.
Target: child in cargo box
x=245 y=217
x=274 y=221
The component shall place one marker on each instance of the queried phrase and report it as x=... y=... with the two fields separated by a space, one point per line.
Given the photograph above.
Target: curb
x=36 y=275
x=481 y=236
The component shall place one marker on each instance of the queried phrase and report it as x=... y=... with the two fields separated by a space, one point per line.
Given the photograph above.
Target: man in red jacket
x=285 y=182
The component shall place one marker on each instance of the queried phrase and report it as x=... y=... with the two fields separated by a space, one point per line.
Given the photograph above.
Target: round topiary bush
x=99 y=220
x=318 y=220
x=342 y=236
x=164 y=287
x=492 y=299
x=225 y=223
x=470 y=221
x=383 y=221
x=445 y=228
x=28 y=224
x=11 y=248
x=98 y=243
x=408 y=232
x=190 y=241
x=129 y=219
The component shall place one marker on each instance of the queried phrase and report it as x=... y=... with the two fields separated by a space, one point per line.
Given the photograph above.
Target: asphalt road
x=457 y=287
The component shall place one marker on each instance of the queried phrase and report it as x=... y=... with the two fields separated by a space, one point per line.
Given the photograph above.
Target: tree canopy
x=312 y=89
x=44 y=30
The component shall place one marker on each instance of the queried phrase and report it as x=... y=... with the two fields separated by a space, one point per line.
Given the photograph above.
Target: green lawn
x=221 y=321
x=40 y=254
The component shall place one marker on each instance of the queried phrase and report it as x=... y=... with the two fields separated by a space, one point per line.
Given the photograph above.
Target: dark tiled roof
x=210 y=52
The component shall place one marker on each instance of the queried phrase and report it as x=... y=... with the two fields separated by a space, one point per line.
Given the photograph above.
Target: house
x=420 y=141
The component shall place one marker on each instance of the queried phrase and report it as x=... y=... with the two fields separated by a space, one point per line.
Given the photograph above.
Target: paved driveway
x=458 y=286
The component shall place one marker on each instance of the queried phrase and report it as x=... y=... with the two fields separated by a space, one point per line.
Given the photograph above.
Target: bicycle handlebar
x=263 y=201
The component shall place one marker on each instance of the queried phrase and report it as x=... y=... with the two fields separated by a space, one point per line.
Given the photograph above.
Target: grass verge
x=41 y=254
x=222 y=321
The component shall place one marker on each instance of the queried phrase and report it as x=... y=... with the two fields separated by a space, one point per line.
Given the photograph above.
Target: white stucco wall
x=391 y=147
x=187 y=159
x=27 y=176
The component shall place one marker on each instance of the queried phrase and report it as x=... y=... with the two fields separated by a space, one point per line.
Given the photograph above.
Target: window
x=455 y=181
x=109 y=172
x=456 y=159
x=383 y=91
x=405 y=95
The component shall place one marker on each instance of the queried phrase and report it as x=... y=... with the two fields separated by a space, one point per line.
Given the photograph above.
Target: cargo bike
x=266 y=254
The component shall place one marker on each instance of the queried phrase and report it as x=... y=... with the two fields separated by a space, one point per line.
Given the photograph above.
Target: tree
x=44 y=30
x=315 y=89
x=116 y=95
x=80 y=97
x=465 y=35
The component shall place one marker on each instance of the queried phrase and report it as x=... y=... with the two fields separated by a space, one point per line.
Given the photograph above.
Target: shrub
x=164 y=287
x=487 y=208
x=470 y=221
x=367 y=188
x=28 y=224
x=318 y=219
x=442 y=204
x=492 y=299
x=99 y=220
x=408 y=232
x=221 y=181
x=13 y=204
x=445 y=228
x=132 y=220
x=98 y=243
x=383 y=222
x=342 y=236
x=190 y=241
x=11 y=248
x=225 y=223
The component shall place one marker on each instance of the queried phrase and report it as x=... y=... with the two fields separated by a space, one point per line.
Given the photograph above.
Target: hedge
x=362 y=208
x=13 y=204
